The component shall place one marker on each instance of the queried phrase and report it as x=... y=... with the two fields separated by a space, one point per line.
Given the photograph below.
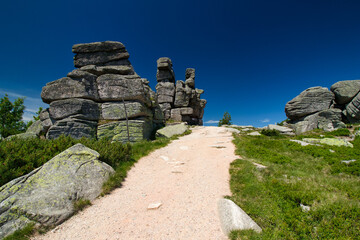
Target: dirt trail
x=187 y=177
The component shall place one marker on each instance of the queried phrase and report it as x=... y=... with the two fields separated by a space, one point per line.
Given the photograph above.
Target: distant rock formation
x=317 y=107
x=179 y=102
x=47 y=194
x=102 y=98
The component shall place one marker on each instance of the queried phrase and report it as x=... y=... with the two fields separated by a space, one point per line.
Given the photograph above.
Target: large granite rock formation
x=318 y=107
x=179 y=102
x=47 y=194
x=103 y=93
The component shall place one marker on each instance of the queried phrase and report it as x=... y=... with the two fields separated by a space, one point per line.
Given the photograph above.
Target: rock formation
x=102 y=98
x=47 y=194
x=317 y=107
x=179 y=102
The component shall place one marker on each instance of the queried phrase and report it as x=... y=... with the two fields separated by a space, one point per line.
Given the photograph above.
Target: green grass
x=311 y=175
x=22 y=234
x=81 y=204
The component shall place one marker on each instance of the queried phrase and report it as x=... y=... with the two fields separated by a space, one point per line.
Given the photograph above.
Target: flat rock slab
x=189 y=209
x=172 y=130
x=329 y=141
x=232 y=217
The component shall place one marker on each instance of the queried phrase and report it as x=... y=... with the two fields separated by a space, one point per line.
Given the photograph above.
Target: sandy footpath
x=187 y=177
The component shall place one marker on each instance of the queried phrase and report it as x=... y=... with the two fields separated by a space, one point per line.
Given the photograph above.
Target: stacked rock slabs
x=103 y=98
x=179 y=102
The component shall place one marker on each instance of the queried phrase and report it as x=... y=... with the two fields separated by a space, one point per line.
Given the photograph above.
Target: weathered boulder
x=183 y=94
x=232 y=217
x=281 y=129
x=101 y=70
x=310 y=101
x=353 y=108
x=81 y=108
x=345 y=91
x=116 y=110
x=24 y=135
x=328 y=120
x=46 y=120
x=172 y=130
x=139 y=129
x=114 y=87
x=46 y=195
x=99 y=58
x=36 y=128
x=106 y=46
x=165 y=72
x=190 y=77
x=65 y=88
x=76 y=128
x=166 y=88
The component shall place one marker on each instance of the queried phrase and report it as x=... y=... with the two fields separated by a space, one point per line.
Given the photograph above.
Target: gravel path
x=187 y=177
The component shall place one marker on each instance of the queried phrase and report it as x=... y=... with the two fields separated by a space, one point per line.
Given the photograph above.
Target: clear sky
x=251 y=56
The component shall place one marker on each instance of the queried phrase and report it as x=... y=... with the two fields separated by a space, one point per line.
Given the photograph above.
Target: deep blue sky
x=251 y=57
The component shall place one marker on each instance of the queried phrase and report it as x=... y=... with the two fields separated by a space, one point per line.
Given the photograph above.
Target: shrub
x=339 y=132
x=270 y=132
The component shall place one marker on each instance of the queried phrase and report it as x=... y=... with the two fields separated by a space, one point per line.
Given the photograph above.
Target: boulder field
x=105 y=98
x=319 y=107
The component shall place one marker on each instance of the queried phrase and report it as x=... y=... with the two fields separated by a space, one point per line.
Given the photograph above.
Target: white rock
x=259 y=166
x=254 y=134
x=153 y=206
x=304 y=208
x=164 y=158
x=348 y=161
x=232 y=217
x=184 y=147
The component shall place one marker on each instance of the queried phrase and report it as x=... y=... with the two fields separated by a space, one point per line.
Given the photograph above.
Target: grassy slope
x=312 y=175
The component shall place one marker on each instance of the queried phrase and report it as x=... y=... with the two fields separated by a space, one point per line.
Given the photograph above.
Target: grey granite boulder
x=139 y=129
x=114 y=87
x=65 y=88
x=310 y=101
x=99 y=58
x=165 y=88
x=116 y=110
x=183 y=94
x=281 y=129
x=232 y=217
x=190 y=77
x=107 y=46
x=36 y=128
x=46 y=120
x=76 y=128
x=353 y=108
x=345 y=91
x=47 y=194
x=100 y=70
x=165 y=72
x=82 y=108
x=172 y=130
x=327 y=120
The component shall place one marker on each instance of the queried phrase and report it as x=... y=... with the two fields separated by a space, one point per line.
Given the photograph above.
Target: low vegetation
x=297 y=177
x=21 y=156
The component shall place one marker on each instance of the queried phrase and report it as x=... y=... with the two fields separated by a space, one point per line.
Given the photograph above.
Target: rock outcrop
x=318 y=107
x=47 y=194
x=179 y=102
x=103 y=97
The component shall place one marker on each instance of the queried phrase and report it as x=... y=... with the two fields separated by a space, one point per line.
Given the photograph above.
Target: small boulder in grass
x=232 y=217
